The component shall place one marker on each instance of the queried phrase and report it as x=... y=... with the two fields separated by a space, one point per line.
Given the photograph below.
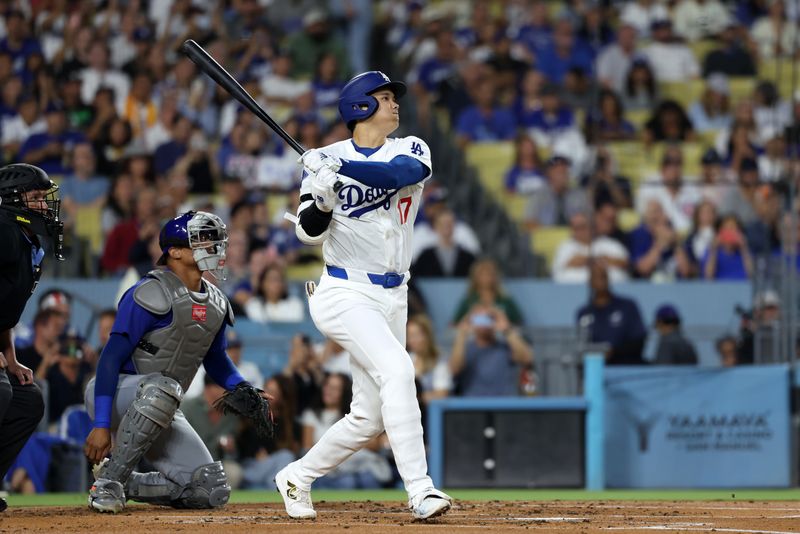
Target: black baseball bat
x=223 y=78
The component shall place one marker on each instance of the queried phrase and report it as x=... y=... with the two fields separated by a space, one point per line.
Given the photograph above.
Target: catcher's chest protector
x=178 y=349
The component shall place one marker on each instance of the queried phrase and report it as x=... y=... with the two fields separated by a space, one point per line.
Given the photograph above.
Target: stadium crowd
x=99 y=96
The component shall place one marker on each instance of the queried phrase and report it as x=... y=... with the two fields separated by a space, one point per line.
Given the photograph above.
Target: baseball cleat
x=297 y=501
x=107 y=496
x=429 y=504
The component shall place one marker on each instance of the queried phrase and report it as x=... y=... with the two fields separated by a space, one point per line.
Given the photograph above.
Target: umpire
x=29 y=210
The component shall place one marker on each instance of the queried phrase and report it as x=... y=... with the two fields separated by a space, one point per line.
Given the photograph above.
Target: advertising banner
x=697 y=428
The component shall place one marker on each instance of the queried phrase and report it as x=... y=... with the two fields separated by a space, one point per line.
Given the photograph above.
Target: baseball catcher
x=167 y=324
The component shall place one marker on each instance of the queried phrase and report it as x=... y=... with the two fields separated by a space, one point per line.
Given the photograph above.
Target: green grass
x=79 y=499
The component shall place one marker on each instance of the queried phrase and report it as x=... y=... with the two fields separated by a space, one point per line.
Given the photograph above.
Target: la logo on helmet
x=385 y=77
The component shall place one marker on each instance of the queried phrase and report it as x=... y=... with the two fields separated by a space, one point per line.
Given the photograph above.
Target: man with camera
x=487 y=354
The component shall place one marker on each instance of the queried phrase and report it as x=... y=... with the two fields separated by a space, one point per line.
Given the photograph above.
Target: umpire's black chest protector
x=17 y=274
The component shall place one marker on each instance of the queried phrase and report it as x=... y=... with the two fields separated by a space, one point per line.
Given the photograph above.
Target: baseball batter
x=361 y=301
x=168 y=324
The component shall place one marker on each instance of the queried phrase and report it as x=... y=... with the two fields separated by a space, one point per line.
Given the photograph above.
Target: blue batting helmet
x=356 y=102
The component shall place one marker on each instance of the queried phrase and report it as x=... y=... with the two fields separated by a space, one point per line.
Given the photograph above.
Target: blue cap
x=668 y=314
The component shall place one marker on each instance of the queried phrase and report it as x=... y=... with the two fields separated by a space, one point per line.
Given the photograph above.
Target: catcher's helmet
x=41 y=215
x=356 y=102
x=204 y=233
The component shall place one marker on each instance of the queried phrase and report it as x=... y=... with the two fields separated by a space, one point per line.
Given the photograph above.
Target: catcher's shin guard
x=157 y=399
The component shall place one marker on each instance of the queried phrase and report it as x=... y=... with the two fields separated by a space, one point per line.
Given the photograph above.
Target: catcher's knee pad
x=157 y=400
x=208 y=488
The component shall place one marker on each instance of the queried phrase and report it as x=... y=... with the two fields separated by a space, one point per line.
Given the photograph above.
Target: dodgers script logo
x=371 y=198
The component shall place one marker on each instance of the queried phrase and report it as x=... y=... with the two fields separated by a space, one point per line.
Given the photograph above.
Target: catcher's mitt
x=245 y=400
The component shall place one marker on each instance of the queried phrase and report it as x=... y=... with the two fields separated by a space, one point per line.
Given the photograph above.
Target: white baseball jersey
x=371 y=228
x=370 y=231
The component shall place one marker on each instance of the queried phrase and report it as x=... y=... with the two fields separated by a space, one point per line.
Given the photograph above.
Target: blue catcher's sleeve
x=218 y=364
x=131 y=324
x=401 y=171
x=117 y=350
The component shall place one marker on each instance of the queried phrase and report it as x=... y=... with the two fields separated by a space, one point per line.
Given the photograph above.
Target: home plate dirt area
x=465 y=517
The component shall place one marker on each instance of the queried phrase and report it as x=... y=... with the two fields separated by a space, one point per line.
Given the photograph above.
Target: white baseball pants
x=369 y=321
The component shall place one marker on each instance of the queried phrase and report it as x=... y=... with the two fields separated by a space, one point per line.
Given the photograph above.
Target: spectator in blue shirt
x=612 y=319
x=432 y=72
x=83 y=187
x=526 y=174
x=48 y=149
x=610 y=123
x=487 y=354
x=712 y=111
x=552 y=117
x=529 y=97
x=728 y=257
x=326 y=86
x=537 y=34
x=656 y=252
x=168 y=154
x=485 y=121
x=17 y=43
x=566 y=51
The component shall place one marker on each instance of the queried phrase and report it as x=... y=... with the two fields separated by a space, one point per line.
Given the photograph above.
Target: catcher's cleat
x=107 y=496
x=429 y=504
x=297 y=501
x=3 y=504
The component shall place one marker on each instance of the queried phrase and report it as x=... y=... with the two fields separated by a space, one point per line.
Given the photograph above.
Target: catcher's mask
x=29 y=198
x=202 y=232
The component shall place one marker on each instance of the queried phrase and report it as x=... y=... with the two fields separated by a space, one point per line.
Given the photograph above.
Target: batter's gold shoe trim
x=296 y=500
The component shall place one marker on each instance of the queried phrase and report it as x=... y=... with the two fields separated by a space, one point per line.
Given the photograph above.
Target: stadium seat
x=306 y=271
x=701 y=48
x=628 y=219
x=491 y=160
x=683 y=92
x=778 y=71
x=514 y=205
x=692 y=152
x=741 y=88
x=87 y=226
x=546 y=239
x=631 y=159
x=638 y=117
x=442 y=119
x=276 y=204
x=708 y=138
